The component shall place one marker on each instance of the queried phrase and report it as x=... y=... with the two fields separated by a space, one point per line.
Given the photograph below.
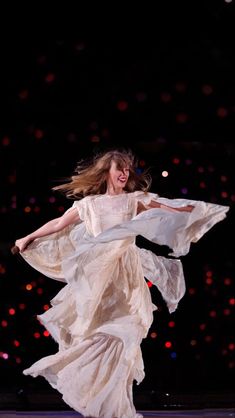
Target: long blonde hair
x=91 y=176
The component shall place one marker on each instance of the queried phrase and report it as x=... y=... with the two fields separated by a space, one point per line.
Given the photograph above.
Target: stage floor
x=210 y=413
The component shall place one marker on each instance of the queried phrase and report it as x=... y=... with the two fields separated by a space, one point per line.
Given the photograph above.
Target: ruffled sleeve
x=81 y=208
x=144 y=197
x=178 y=229
x=46 y=254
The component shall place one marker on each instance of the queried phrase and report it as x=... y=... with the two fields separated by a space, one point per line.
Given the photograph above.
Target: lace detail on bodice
x=105 y=211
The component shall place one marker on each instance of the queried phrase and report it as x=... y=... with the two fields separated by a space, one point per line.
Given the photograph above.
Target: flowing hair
x=90 y=177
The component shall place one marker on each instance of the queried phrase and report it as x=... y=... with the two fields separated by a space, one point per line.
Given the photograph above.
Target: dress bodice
x=101 y=212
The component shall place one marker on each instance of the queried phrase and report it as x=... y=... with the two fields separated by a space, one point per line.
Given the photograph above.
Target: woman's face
x=117 y=177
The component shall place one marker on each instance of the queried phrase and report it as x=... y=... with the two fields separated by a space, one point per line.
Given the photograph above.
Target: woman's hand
x=22 y=243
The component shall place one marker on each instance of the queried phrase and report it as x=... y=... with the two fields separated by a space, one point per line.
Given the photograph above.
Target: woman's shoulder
x=137 y=194
x=81 y=202
x=85 y=198
x=140 y=194
x=83 y=205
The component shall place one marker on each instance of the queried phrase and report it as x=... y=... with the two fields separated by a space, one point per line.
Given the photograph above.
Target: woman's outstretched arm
x=187 y=208
x=55 y=225
x=154 y=204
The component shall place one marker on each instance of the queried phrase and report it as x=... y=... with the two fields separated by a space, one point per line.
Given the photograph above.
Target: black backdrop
x=171 y=100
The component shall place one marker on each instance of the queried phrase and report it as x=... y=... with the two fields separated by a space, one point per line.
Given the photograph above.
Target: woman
x=101 y=315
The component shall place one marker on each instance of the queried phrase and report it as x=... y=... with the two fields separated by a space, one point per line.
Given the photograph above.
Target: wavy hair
x=90 y=177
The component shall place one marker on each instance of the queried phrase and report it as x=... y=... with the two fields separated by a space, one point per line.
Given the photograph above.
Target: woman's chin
x=122 y=184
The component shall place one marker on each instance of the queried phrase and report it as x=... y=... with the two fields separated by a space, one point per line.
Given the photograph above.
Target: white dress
x=103 y=312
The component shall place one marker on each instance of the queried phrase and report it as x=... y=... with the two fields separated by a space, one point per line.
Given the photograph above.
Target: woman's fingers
x=15 y=250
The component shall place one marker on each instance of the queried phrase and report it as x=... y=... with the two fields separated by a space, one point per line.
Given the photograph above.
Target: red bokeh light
x=50 y=77
x=12 y=311
x=181 y=117
x=207 y=89
x=222 y=112
x=122 y=105
x=23 y=94
x=5 y=141
x=165 y=97
x=38 y=133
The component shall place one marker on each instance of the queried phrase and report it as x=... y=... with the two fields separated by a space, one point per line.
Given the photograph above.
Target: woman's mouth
x=122 y=179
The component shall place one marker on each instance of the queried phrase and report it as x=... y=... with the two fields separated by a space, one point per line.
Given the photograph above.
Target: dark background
x=169 y=98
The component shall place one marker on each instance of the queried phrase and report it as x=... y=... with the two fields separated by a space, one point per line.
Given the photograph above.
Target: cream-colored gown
x=103 y=312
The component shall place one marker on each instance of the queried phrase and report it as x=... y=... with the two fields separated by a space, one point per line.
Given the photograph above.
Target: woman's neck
x=112 y=191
